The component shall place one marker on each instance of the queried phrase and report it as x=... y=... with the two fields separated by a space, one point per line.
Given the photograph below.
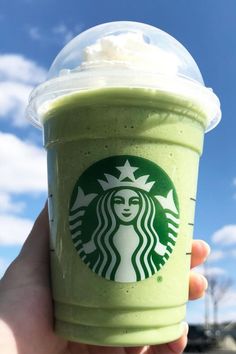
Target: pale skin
x=26 y=314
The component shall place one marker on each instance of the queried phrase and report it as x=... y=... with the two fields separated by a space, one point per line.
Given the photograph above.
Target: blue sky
x=32 y=34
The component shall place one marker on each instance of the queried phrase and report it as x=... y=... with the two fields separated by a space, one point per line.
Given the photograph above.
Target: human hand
x=26 y=315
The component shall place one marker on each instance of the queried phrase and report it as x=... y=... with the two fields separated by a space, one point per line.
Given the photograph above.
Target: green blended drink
x=123 y=147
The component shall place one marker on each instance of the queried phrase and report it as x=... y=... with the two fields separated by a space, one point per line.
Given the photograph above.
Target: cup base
x=119 y=327
x=118 y=337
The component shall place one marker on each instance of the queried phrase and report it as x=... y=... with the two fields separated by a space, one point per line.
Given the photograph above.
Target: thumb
x=32 y=264
x=36 y=247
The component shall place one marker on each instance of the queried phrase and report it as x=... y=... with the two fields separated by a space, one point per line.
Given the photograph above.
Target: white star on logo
x=127 y=171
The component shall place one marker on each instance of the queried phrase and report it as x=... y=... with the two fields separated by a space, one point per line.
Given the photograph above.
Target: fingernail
x=204 y=281
x=178 y=345
x=186 y=328
x=206 y=246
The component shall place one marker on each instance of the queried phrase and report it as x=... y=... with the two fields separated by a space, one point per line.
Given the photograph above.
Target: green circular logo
x=124 y=218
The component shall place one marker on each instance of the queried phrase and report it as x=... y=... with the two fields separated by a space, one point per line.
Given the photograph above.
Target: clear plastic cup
x=123 y=113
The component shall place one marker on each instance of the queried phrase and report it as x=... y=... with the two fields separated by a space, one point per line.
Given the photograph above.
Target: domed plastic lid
x=124 y=54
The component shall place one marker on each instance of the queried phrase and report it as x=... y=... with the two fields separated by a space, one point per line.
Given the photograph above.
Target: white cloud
x=215 y=271
x=13 y=100
x=18 y=75
x=233 y=253
x=8 y=206
x=14 y=230
x=23 y=166
x=206 y=270
x=35 y=33
x=23 y=171
x=226 y=235
x=63 y=32
x=229 y=299
x=58 y=34
x=17 y=68
x=216 y=255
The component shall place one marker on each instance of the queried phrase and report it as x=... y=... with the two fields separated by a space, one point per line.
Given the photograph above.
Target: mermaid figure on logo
x=125 y=237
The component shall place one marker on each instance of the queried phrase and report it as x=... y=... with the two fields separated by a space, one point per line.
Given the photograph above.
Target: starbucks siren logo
x=124 y=218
